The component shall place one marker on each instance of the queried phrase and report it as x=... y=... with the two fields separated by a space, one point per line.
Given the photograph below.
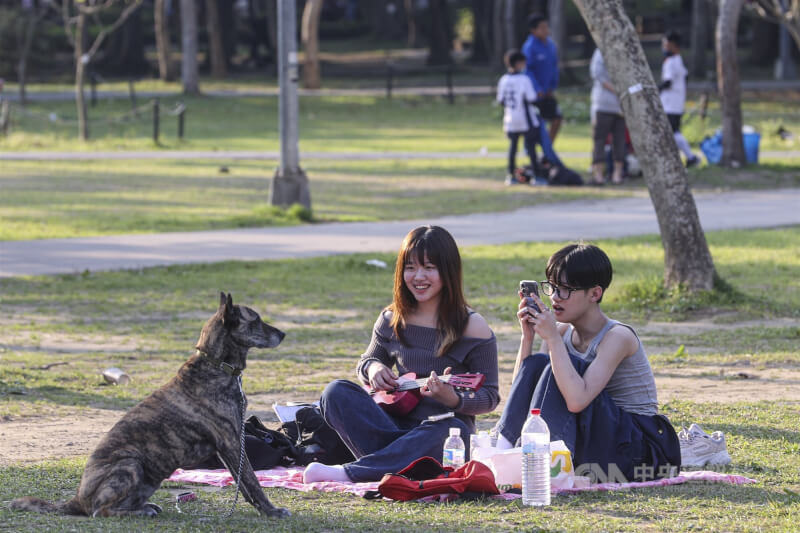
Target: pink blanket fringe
x=292 y=478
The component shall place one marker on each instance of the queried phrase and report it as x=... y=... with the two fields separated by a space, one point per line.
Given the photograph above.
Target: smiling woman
x=428 y=330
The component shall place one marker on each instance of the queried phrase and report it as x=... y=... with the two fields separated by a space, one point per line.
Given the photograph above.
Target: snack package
x=506 y=465
x=562 y=474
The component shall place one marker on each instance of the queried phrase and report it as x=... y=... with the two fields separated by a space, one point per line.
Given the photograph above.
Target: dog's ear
x=229 y=315
x=222 y=300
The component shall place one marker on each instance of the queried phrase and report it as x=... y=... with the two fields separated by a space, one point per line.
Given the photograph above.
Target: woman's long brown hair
x=440 y=248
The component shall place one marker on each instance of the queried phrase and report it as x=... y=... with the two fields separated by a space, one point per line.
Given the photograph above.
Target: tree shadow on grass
x=761 y=432
x=64 y=397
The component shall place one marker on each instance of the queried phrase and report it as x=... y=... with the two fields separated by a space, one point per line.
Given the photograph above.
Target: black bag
x=264 y=447
x=314 y=440
x=561 y=175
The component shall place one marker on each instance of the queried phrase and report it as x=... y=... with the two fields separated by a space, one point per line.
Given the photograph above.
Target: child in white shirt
x=515 y=91
x=673 y=91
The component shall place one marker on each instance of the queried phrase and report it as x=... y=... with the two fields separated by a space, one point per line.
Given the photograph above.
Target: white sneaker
x=698 y=448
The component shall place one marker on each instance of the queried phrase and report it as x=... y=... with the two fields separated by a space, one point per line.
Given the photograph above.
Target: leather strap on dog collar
x=225 y=367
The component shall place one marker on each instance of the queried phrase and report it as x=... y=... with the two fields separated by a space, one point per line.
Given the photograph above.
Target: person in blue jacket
x=542 y=68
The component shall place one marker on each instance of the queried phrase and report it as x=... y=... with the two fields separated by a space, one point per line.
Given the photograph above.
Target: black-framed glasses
x=563 y=291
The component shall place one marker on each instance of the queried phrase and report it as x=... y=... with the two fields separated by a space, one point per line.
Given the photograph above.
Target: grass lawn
x=146 y=322
x=344 y=124
x=74 y=198
x=69 y=199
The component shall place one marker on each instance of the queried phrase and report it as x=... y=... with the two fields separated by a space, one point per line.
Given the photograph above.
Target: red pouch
x=426 y=476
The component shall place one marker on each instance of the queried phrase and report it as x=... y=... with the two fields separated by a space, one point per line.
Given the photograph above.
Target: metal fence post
x=181 y=113
x=132 y=96
x=5 y=116
x=155 y=120
x=449 y=81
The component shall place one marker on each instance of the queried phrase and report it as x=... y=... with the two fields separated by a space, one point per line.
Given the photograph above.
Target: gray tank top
x=632 y=386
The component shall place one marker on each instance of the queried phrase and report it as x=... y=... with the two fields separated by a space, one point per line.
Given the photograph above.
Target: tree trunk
x=509 y=26
x=687 y=260
x=216 y=46
x=189 y=77
x=309 y=36
x=728 y=83
x=439 y=39
x=498 y=34
x=81 y=62
x=163 y=51
x=412 y=39
x=699 y=39
x=481 y=31
x=31 y=22
x=558 y=26
x=272 y=25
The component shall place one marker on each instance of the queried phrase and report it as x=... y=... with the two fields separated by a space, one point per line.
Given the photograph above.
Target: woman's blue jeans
x=380 y=442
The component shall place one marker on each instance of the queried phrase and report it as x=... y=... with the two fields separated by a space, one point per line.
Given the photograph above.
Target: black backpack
x=314 y=440
x=264 y=447
x=565 y=176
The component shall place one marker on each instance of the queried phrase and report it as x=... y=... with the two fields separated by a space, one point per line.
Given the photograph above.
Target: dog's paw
x=278 y=512
x=151 y=509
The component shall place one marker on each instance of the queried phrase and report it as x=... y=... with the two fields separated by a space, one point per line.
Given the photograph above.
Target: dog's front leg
x=248 y=484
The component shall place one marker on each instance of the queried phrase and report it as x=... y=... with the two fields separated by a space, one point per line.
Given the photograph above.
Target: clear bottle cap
x=483 y=432
x=455 y=431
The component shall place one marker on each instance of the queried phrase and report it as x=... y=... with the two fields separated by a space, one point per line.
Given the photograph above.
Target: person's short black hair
x=674 y=37
x=580 y=266
x=513 y=57
x=535 y=19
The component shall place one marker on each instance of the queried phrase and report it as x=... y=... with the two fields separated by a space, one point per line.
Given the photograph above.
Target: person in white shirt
x=515 y=92
x=673 y=91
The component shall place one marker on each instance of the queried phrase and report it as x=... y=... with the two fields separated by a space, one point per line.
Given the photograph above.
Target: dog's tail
x=37 y=505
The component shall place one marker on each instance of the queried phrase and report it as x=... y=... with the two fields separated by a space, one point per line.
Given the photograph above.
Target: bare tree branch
x=134 y=5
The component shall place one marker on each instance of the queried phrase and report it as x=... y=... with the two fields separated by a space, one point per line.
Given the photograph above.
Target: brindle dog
x=195 y=415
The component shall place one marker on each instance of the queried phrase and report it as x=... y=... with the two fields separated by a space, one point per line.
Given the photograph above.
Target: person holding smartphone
x=430 y=330
x=591 y=377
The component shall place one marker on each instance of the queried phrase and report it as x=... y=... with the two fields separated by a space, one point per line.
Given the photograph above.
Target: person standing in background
x=515 y=93
x=607 y=118
x=542 y=68
x=673 y=91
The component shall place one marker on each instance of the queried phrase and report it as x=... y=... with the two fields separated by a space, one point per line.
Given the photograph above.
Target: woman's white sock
x=502 y=443
x=320 y=472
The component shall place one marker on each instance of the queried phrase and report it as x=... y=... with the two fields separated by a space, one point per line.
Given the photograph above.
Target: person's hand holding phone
x=525 y=319
x=543 y=321
x=526 y=307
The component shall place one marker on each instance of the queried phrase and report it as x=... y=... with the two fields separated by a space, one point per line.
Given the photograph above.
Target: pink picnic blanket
x=292 y=478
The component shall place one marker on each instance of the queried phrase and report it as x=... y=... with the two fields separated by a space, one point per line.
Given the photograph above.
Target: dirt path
x=36 y=439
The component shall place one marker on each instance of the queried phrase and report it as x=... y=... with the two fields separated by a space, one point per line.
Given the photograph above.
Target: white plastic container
x=453 y=453
x=535 y=461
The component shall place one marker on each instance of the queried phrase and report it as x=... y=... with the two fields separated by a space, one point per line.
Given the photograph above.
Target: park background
x=383 y=138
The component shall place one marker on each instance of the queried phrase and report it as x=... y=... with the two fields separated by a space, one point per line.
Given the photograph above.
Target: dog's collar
x=228 y=368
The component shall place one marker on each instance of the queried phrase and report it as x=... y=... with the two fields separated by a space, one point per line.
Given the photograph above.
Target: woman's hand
x=525 y=320
x=544 y=322
x=381 y=377
x=439 y=391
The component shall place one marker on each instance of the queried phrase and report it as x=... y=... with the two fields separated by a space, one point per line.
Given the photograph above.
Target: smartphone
x=528 y=287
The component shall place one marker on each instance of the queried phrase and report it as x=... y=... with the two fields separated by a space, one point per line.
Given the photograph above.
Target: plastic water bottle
x=482 y=439
x=453 y=453
x=535 y=461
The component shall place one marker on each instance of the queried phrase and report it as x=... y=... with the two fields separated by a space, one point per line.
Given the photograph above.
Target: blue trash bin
x=751 y=142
